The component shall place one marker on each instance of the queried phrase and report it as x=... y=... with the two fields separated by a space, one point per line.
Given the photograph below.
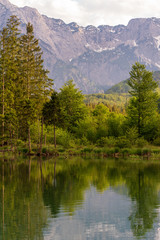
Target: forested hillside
x=123 y=87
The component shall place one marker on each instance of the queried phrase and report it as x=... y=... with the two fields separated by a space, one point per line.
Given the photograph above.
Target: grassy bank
x=89 y=150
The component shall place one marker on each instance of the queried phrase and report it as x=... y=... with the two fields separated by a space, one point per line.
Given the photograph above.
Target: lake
x=79 y=199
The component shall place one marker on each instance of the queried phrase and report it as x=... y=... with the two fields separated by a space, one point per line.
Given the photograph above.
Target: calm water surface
x=79 y=199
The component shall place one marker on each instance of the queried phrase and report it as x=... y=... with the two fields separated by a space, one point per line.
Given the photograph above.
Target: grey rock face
x=95 y=57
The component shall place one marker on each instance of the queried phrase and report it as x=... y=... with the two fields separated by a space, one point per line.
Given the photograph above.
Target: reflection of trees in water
x=143 y=191
x=141 y=180
x=31 y=184
x=21 y=203
x=66 y=189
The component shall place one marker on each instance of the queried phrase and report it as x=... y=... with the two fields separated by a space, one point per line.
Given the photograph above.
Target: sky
x=94 y=12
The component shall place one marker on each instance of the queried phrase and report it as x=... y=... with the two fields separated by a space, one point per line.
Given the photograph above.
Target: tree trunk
x=40 y=165
x=38 y=142
x=29 y=140
x=10 y=132
x=45 y=139
x=54 y=136
x=40 y=147
x=3 y=111
x=54 y=181
x=29 y=168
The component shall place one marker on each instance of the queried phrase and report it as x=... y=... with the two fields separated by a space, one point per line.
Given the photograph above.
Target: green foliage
x=109 y=151
x=156 y=141
x=124 y=88
x=132 y=135
x=20 y=143
x=156 y=151
x=25 y=90
x=84 y=141
x=52 y=111
x=143 y=104
x=86 y=129
x=122 y=142
x=121 y=87
x=115 y=124
x=126 y=151
x=115 y=102
x=87 y=150
x=106 y=141
x=98 y=150
x=101 y=112
x=24 y=84
x=137 y=151
x=64 y=138
x=72 y=105
x=141 y=142
x=146 y=151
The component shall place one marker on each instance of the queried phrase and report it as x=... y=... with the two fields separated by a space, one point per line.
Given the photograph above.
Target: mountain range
x=94 y=57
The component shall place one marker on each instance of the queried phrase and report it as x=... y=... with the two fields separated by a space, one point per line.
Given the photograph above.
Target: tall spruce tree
x=24 y=84
x=9 y=71
x=143 y=104
x=3 y=69
x=36 y=85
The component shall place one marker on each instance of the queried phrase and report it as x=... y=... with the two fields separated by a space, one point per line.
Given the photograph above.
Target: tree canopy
x=143 y=104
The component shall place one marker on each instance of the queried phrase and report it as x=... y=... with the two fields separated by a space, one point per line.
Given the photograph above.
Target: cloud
x=94 y=12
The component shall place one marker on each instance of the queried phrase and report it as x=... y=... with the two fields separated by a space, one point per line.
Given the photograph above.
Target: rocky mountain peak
x=5 y=2
x=95 y=57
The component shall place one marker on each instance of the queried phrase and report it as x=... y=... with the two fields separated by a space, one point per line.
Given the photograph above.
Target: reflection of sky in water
x=102 y=216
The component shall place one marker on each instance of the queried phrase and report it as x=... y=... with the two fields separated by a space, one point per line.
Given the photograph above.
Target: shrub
x=98 y=150
x=109 y=151
x=84 y=141
x=64 y=138
x=126 y=151
x=156 y=141
x=122 y=142
x=132 y=135
x=87 y=150
x=138 y=151
x=116 y=150
x=141 y=142
x=20 y=143
x=106 y=141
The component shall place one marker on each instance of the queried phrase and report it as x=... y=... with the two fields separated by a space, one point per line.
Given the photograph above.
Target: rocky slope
x=95 y=57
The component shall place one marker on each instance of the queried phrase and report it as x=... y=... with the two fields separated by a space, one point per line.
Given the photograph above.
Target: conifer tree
x=143 y=104
x=24 y=84
x=3 y=89
x=36 y=85
x=9 y=69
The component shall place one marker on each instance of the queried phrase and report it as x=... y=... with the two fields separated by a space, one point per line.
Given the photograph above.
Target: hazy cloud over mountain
x=97 y=12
